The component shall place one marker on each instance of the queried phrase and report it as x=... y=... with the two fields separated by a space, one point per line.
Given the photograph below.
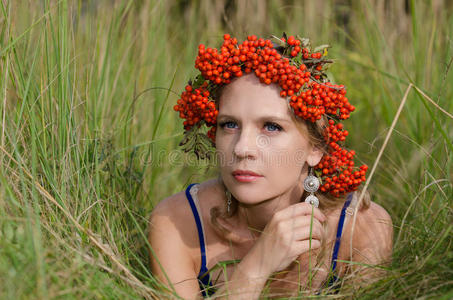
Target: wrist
x=254 y=267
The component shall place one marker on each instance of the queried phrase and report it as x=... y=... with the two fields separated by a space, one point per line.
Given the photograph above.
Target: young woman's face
x=255 y=132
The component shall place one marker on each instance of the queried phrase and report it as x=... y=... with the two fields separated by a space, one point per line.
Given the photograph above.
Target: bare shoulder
x=171 y=216
x=372 y=235
x=178 y=208
x=172 y=207
x=173 y=237
x=170 y=234
x=376 y=212
x=372 y=220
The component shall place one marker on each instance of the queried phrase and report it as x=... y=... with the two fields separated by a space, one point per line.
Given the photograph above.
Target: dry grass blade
x=373 y=169
x=433 y=103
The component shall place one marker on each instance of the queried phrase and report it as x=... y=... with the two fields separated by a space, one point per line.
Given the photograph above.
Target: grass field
x=88 y=135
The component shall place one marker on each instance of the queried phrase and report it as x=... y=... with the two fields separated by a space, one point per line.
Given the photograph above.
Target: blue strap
x=204 y=279
x=339 y=233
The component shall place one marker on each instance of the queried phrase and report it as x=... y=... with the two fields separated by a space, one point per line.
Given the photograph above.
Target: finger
x=303 y=246
x=304 y=233
x=299 y=209
x=308 y=209
x=301 y=221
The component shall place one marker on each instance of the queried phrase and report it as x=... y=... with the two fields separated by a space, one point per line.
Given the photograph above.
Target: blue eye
x=232 y=125
x=273 y=126
x=226 y=124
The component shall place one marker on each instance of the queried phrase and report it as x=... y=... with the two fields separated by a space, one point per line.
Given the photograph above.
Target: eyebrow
x=267 y=118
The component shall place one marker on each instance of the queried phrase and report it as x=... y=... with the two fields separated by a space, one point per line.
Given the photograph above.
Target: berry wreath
x=300 y=73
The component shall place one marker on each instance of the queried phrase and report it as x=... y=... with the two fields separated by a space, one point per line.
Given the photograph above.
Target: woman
x=267 y=210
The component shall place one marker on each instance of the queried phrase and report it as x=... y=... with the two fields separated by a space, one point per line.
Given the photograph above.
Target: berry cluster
x=299 y=73
x=195 y=106
x=319 y=99
x=339 y=159
x=295 y=46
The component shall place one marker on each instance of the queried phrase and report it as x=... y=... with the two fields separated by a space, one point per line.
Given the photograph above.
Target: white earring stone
x=313 y=200
x=311 y=184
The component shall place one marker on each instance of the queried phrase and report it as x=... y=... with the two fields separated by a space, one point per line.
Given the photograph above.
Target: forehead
x=247 y=97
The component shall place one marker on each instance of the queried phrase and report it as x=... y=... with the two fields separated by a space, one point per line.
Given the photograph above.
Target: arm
x=284 y=238
x=247 y=280
x=170 y=260
x=173 y=266
x=282 y=241
x=372 y=244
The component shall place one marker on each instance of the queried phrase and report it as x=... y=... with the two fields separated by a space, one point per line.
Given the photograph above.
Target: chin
x=247 y=192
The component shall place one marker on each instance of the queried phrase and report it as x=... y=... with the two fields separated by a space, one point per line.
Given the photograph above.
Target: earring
x=228 y=195
x=311 y=185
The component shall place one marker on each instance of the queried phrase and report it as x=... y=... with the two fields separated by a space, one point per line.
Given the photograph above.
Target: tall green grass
x=89 y=139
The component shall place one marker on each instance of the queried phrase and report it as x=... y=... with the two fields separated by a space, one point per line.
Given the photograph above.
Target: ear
x=314 y=157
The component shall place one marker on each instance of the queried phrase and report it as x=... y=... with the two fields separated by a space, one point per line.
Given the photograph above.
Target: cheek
x=284 y=170
x=286 y=154
x=223 y=150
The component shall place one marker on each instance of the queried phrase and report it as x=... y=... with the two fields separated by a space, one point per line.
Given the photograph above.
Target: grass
x=88 y=139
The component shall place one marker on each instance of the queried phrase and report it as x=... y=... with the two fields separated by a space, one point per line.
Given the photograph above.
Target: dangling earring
x=311 y=185
x=228 y=195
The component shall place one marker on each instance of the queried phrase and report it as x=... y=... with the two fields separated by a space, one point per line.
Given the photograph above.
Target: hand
x=287 y=236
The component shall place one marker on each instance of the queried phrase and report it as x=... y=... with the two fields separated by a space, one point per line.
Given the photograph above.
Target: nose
x=246 y=145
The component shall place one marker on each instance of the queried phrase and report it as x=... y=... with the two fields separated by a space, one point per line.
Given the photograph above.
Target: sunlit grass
x=89 y=138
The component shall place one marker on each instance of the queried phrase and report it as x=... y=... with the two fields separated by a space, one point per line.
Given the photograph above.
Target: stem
x=309 y=247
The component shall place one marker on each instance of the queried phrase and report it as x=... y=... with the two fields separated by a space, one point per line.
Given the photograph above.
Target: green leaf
x=321 y=48
x=198 y=81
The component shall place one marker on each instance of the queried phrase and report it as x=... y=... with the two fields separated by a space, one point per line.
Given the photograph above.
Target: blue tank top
x=204 y=278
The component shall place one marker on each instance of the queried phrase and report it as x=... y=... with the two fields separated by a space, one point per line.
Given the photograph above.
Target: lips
x=246 y=176
x=245 y=173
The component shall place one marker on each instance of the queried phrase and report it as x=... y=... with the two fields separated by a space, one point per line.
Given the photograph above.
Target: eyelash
x=279 y=128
